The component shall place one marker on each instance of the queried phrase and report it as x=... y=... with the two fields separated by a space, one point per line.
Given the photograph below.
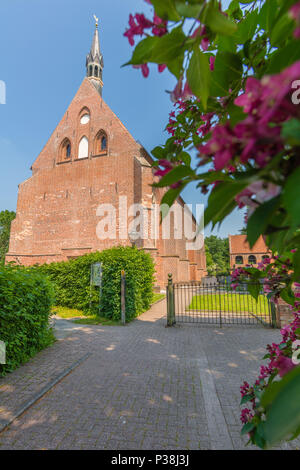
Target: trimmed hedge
x=71 y=281
x=26 y=299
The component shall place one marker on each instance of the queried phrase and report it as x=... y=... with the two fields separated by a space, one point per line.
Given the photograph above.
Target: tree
x=217 y=255
x=237 y=103
x=6 y=218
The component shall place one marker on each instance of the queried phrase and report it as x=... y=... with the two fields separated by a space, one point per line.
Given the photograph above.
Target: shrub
x=25 y=304
x=71 y=281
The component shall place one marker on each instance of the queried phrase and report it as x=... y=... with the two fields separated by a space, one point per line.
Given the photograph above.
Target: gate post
x=170 y=302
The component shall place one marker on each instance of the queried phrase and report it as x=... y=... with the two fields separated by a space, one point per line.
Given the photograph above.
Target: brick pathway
x=143 y=387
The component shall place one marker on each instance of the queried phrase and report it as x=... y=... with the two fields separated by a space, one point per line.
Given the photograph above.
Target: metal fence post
x=123 y=303
x=170 y=302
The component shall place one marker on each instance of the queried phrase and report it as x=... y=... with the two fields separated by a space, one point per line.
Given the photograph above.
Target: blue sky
x=43 y=45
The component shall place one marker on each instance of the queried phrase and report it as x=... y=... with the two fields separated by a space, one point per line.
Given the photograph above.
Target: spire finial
x=97 y=21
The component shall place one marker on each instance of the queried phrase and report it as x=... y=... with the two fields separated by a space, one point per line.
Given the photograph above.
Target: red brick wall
x=56 y=211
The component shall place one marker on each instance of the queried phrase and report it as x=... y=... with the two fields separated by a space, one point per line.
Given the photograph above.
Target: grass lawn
x=230 y=303
x=77 y=316
x=157 y=297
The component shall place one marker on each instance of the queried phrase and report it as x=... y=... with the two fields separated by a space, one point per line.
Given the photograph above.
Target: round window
x=85 y=119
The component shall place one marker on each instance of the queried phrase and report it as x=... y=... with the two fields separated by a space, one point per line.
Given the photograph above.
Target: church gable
x=88 y=129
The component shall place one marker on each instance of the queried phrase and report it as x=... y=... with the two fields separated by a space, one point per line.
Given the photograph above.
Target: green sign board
x=96 y=274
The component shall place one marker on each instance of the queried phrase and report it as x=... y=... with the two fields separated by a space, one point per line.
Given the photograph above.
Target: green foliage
x=25 y=306
x=6 y=218
x=217 y=255
x=71 y=281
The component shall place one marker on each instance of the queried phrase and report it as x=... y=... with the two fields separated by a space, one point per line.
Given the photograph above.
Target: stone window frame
x=62 y=153
x=99 y=136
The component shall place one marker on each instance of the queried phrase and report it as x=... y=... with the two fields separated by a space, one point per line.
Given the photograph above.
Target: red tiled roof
x=238 y=244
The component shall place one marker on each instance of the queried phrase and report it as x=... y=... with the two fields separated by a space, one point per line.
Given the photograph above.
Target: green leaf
x=218 y=22
x=284 y=57
x=287 y=295
x=246 y=28
x=188 y=10
x=248 y=427
x=143 y=51
x=291 y=131
x=220 y=200
x=175 y=175
x=245 y=399
x=281 y=30
x=159 y=153
x=198 y=76
x=254 y=290
x=259 y=220
x=283 y=413
x=168 y=47
x=169 y=198
x=291 y=197
x=267 y=15
x=166 y=9
x=227 y=71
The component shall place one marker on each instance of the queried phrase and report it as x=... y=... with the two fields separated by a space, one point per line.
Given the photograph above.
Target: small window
x=100 y=146
x=239 y=260
x=90 y=70
x=65 y=150
x=252 y=259
x=96 y=71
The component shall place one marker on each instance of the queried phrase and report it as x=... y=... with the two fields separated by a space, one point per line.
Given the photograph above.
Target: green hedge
x=26 y=299
x=71 y=281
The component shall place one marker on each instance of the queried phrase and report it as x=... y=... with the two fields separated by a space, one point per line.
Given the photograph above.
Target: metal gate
x=217 y=304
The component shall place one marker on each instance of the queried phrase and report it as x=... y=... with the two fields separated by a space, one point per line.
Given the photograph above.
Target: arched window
x=65 y=150
x=239 y=260
x=100 y=146
x=83 y=149
x=252 y=259
x=90 y=70
x=96 y=71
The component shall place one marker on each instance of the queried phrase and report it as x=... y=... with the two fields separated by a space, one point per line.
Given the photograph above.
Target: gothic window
x=65 y=151
x=83 y=149
x=239 y=260
x=90 y=71
x=100 y=147
x=252 y=259
x=84 y=116
x=96 y=71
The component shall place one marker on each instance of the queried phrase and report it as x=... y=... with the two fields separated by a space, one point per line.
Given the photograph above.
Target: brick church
x=92 y=159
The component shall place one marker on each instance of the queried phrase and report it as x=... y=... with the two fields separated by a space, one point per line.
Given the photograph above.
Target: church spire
x=94 y=61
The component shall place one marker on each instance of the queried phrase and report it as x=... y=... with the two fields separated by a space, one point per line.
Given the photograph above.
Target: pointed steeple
x=94 y=62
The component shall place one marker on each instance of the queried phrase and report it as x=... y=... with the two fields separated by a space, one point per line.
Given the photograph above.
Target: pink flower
x=161 y=67
x=246 y=415
x=212 y=62
x=144 y=68
x=284 y=365
x=159 y=26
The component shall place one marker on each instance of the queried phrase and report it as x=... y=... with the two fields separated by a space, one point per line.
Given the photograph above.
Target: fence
x=218 y=303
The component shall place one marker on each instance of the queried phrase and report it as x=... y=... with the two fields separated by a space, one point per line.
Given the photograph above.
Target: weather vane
x=97 y=21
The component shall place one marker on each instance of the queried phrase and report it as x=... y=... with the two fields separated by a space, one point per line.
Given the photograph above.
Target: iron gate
x=218 y=304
